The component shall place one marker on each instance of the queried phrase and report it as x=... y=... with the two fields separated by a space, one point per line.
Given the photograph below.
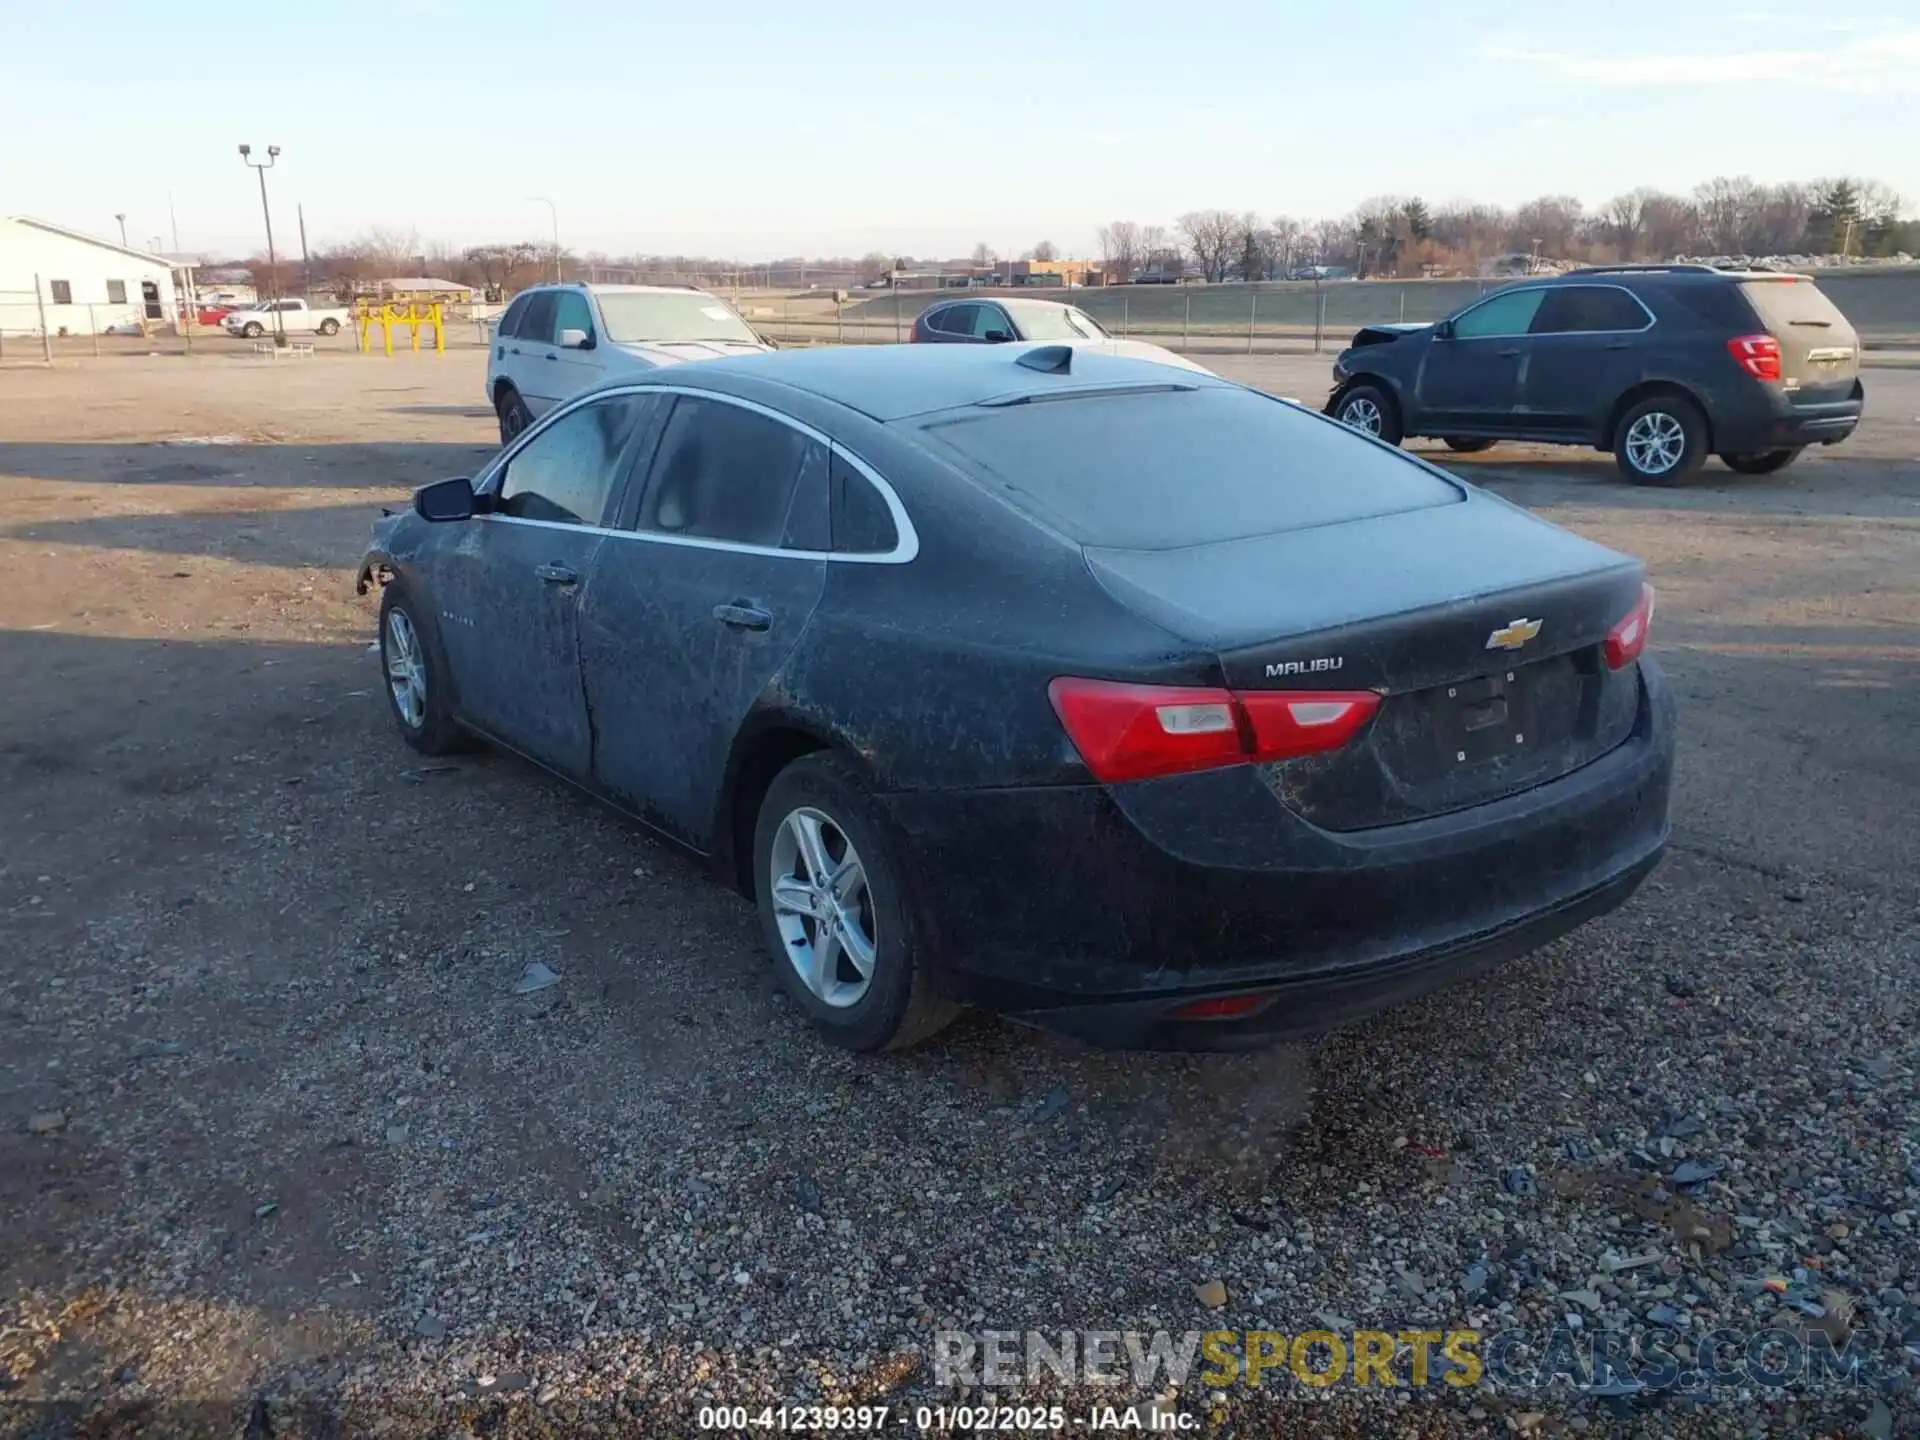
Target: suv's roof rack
x=1646 y=270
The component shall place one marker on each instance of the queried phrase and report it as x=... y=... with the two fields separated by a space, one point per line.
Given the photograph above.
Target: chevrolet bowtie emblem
x=1513 y=634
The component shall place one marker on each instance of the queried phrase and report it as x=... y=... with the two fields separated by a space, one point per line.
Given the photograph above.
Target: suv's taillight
x=1135 y=732
x=1758 y=355
x=1629 y=637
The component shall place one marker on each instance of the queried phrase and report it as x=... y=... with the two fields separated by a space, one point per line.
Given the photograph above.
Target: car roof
x=600 y=289
x=893 y=382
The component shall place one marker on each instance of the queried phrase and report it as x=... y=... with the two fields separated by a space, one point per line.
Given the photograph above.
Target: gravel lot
x=281 y=1146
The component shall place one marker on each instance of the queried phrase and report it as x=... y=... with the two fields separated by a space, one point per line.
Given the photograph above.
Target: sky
x=758 y=130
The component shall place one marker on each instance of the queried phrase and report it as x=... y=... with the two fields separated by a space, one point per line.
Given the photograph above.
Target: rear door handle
x=557 y=574
x=742 y=617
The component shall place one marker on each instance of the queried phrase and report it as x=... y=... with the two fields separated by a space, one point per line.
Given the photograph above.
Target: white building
x=80 y=285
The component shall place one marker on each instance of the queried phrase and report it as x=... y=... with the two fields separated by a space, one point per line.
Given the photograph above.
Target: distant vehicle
x=213 y=314
x=557 y=340
x=993 y=322
x=1661 y=364
x=1155 y=277
x=1123 y=700
x=295 y=317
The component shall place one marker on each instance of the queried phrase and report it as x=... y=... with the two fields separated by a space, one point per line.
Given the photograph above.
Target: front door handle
x=742 y=617
x=557 y=574
x=514 y=351
x=552 y=356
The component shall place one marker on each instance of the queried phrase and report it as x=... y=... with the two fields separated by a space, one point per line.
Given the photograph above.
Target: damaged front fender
x=377 y=563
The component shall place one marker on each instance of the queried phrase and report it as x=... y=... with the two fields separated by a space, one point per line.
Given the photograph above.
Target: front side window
x=990 y=321
x=537 y=324
x=571 y=312
x=565 y=474
x=1508 y=313
x=723 y=472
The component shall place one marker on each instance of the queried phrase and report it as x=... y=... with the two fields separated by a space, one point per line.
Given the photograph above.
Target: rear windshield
x=1795 y=307
x=1166 y=469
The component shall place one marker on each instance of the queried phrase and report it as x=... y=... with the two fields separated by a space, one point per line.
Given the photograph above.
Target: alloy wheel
x=406 y=669
x=1656 y=442
x=1362 y=414
x=823 y=907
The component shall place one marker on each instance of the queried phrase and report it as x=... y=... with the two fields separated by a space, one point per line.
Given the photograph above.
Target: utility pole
x=173 y=220
x=554 y=211
x=123 y=231
x=306 y=260
x=273 y=260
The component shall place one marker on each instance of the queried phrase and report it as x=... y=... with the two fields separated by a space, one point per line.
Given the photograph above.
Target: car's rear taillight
x=1758 y=355
x=1629 y=637
x=1134 y=732
x=1222 y=1007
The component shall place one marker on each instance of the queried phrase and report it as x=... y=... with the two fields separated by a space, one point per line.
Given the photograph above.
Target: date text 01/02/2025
x=935 y=1419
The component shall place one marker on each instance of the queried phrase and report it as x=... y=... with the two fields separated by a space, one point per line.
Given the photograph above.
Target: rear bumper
x=1784 y=425
x=1098 y=912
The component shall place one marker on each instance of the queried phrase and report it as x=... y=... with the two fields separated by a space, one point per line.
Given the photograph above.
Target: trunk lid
x=1819 y=350
x=1480 y=625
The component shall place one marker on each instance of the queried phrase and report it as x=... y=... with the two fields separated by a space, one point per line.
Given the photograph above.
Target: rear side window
x=723 y=472
x=1795 y=307
x=537 y=323
x=862 y=523
x=954 y=320
x=565 y=474
x=1719 y=305
x=1163 y=470
x=1572 y=309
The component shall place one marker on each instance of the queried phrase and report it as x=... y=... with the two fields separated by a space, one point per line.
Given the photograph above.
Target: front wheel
x=832 y=913
x=329 y=327
x=1761 y=462
x=1660 y=441
x=1368 y=409
x=1468 y=447
x=415 y=675
x=253 y=330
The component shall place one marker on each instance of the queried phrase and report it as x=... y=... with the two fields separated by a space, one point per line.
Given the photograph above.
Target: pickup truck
x=296 y=317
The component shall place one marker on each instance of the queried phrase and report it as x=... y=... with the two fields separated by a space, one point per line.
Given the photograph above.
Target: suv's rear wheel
x=513 y=413
x=1368 y=408
x=1469 y=447
x=1761 y=462
x=1661 y=441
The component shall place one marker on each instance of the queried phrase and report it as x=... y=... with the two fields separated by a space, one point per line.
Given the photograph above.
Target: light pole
x=123 y=229
x=273 y=260
x=554 y=211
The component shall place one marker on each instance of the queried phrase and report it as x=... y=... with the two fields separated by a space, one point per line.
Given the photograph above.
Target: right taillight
x=1629 y=637
x=1135 y=732
x=1758 y=355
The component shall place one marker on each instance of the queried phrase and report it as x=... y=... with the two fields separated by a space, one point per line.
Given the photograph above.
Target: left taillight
x=1758 y=355
x=1136 y=732
x=1628 y=637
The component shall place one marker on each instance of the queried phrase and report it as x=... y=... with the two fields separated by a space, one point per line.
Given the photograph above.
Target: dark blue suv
x=1663 y=365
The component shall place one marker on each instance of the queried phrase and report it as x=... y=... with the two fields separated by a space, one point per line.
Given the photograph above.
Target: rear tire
x=415 y=673
x=1371 y=411
x=1761 y=462
x=513 y=413
x=1661 y=441
x=1469 y=447
x=893 y=1004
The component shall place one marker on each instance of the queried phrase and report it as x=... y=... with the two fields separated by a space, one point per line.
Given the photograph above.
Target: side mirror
x=998 y=337
x=1443 y=331
x=575 y=340
x=445 y=500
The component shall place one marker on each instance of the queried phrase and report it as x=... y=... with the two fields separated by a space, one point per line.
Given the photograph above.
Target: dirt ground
x=280 y=1144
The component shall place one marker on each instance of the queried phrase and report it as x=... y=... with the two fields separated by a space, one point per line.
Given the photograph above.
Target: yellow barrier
x=411 y=313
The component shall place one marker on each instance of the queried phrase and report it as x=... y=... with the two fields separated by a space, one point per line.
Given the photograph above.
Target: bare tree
x=1285 y=233
x=1470 y=232
x=983 y=254
x=872 y=266
x=1046 y=250
x=1549 y=225
x=1621 y=221
x=1670 y=223
x=1158 y=251
x=1212 y=236
x=1727 y=206
x=1120 y=248
x=502 y=268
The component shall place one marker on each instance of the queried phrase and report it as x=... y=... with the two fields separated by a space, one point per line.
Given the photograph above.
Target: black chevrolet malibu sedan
x=1112 y=697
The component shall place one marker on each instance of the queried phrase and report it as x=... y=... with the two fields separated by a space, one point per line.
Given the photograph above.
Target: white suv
x=556 y=340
